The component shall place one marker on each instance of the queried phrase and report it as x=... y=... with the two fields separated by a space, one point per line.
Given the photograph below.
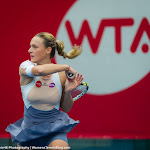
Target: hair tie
x=56 y=45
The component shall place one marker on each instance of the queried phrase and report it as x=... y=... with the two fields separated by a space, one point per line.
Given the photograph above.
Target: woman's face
x=37 y=50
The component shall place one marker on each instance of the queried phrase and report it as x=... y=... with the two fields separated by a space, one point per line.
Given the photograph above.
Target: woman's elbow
x=66 y=109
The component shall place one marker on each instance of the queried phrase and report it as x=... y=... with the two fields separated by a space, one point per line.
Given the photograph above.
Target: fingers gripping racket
x=79 y=91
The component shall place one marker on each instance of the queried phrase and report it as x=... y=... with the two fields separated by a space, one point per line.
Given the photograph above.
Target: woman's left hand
x=72 y=84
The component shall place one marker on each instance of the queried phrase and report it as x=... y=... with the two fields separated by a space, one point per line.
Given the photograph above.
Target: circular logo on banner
x=114 y=36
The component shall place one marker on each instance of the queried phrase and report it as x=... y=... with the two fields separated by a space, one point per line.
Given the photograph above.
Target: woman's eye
x=35 y=46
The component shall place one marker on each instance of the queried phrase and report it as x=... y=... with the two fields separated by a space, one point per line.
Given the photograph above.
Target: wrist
x=67 y=93
x=67 y=67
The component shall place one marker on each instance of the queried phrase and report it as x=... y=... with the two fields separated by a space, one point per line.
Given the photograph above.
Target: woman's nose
x=30 y=50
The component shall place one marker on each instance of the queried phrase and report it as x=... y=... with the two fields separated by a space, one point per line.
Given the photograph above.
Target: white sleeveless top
x=45 y=97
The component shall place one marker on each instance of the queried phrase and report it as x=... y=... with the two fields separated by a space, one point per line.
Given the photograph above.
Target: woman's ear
x=48 y=50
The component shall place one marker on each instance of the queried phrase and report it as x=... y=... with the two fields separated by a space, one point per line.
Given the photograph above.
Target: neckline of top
x=46 y=77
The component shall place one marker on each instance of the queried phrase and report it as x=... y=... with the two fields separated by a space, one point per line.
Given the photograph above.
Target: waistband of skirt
x=35 y=114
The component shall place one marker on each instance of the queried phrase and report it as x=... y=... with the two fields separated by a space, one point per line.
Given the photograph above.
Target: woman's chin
x=32 y=60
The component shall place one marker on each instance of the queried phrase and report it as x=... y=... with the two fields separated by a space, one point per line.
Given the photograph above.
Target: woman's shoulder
x=62 y=74
x=24 y=79
x=26 y=64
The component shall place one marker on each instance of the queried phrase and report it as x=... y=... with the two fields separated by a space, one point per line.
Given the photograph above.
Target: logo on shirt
x=38 y=84
x=51 y=85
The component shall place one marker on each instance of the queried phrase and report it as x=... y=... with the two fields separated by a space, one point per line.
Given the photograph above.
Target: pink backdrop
x=120 y=115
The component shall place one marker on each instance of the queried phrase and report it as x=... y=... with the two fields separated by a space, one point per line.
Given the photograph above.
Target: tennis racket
x=79 y=91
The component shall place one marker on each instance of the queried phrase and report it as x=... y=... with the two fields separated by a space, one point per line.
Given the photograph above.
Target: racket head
x=79 y=91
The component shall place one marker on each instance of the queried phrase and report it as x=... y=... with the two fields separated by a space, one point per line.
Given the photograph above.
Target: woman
x=45 y=88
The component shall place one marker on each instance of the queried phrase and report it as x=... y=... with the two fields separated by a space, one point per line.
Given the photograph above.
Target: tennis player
x=45 y=88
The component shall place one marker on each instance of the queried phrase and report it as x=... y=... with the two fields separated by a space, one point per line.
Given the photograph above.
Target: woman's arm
x=45 y=69
x=67 y=101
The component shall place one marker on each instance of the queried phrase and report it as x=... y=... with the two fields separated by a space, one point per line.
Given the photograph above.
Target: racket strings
x=79 y=91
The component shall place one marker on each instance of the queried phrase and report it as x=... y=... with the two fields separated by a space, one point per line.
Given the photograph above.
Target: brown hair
x=50 y=41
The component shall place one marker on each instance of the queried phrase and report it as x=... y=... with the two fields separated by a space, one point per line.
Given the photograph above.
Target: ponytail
x=76 y=50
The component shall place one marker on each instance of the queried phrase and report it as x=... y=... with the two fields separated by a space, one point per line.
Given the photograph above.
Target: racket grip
x=70 y=75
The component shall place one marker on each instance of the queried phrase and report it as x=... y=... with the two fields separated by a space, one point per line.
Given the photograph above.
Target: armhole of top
x=56 y=79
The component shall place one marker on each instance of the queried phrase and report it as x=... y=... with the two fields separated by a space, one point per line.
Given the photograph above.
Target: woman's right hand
x=70 y=74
